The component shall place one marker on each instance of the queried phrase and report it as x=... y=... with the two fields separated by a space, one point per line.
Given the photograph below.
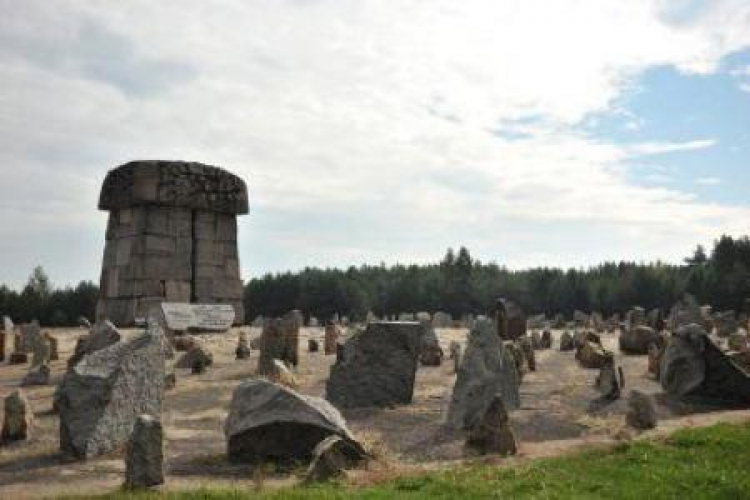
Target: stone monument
x=171 y=237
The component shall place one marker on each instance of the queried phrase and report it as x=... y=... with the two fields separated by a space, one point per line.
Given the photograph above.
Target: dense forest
x=459 y=285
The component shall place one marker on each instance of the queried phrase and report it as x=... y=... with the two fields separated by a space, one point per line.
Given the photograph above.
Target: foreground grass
x=709 y=462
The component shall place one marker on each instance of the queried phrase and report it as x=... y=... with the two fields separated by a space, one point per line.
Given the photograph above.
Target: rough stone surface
x=312 y=345
x=243 y=349
x=567 y=343
x=332 y=334
x=637 y=340
x=279 y=340
x=184 y=343
x=144 y=458
x=377 y=367
x=431 y=354
x=693 y=367
x=510 y=320
x=54 y=352
x=525 y=344
x=171 y=237
x=101 y=396
x=737 y=341
x=103 y=334
x=18 y=419
x=492 y=434
x=546 y=340
x=610 y=380
x=488 y=369
x=198 y=354
x=18 y=358
x=269 y=422
x=331 y=458
x=591 y=355
x=37 y=375
x=281 y=374
x=641 y=411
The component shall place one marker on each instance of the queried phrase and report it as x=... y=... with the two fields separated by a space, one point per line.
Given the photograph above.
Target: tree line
x=459 y=285
x=51 y=306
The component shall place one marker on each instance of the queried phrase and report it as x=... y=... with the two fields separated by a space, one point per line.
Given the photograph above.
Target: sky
x=534 y=132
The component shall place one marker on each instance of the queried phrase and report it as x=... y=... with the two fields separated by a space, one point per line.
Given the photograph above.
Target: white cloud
x=656 y=148
x=364 y=128
x=708 y=181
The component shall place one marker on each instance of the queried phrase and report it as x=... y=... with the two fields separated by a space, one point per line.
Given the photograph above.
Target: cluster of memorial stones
x=111 y=396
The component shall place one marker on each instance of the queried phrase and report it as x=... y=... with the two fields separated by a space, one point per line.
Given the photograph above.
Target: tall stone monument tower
x=171 y=237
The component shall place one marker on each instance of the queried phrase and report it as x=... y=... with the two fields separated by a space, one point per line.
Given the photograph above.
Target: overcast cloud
x=367 y=131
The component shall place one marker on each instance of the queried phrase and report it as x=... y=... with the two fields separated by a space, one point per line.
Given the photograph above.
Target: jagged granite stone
x=488 y=369
x=378 y=366
x=693 y=367
x=144 y=459
x=101 y=396
x=270 y=422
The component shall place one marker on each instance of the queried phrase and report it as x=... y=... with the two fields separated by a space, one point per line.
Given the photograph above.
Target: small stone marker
x=332 y=334
x=145 y=454
x=492 y=433
x=312 y=345
x=18 y=419
x=331 y=458
x=243 y=350
x=641 y=411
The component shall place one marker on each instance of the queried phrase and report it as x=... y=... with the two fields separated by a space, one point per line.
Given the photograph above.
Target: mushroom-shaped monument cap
x=173 y=184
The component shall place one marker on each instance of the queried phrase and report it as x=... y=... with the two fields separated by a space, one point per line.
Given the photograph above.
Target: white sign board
x=181 y=316
x=7 y=324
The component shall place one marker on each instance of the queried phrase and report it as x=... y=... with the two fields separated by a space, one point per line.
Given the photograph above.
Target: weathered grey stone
x=40 y=352
x=567 y=343
x=524 y=343
x=693 y=367
x=536 y=340
x=378 y=366
x=442 y=320
x=184 y=343
x=637 y=339
x=269 y=422
x=144 y=459
x=103 y=334
x=54 y=352
x=737 y=341
x=101 y=396
x=431 y=354
x=591 y=355
x=610 y=380
x=279 y=340
x=18 y=419
x=37 y=375
x=687 y=312
x=331 y=458
x=170 y=381
x=243 y=350
x=488 y=369
x=281 y=374
x=18 y=358
x=197 y=356
x=312 y=345
x=546 y=340
x=726 y=323
x=641 y=411
x=492 y=434
x=332 y=334
x=518 y=357
x=510 y=320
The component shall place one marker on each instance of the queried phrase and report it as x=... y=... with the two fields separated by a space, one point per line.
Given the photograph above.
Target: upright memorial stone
x=377 y=367
x=171 y=237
